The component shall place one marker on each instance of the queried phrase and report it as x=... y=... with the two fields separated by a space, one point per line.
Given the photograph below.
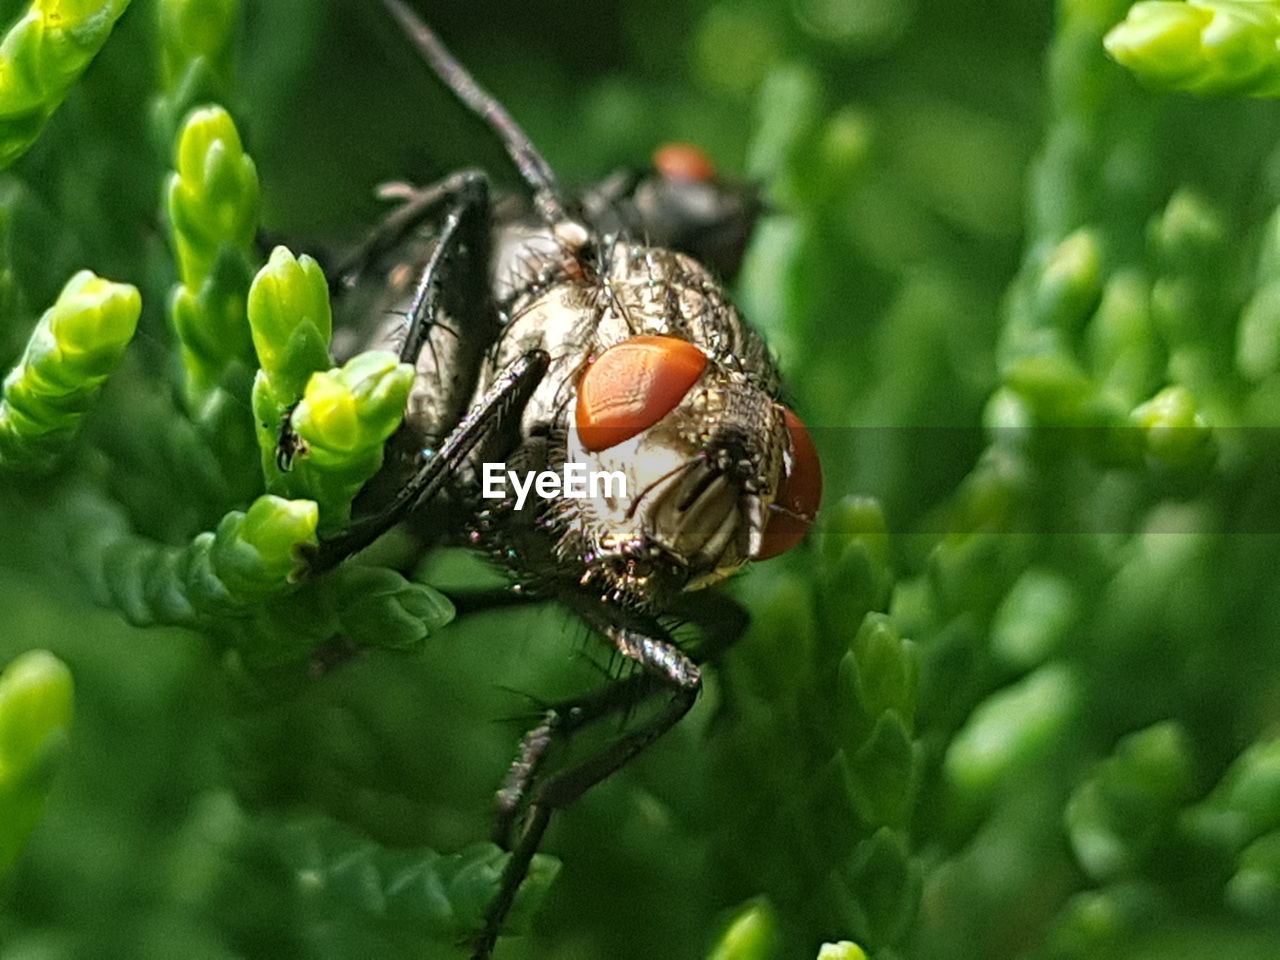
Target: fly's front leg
x=467 y=602
x=678 y=674
x=721 y=620
x=508 y=392
x=558 y=724
x=665 y=668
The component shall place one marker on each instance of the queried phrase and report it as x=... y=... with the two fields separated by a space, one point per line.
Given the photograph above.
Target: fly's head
x=679 y=399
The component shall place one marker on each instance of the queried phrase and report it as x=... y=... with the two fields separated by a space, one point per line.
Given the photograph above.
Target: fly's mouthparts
x=703 y=479
x=697 y=516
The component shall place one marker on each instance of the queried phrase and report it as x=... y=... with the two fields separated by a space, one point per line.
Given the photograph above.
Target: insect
x=581 y=329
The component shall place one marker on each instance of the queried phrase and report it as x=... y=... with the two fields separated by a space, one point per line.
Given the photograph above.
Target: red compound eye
x=799 y=493
x=684 y=162
x=633 y=385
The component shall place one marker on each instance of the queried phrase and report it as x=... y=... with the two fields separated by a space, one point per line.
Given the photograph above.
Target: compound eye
x=684 y=162
x=799 y=493
x=633 y=385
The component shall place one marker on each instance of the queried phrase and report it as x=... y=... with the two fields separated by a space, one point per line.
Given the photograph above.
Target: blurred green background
x=1028 y=306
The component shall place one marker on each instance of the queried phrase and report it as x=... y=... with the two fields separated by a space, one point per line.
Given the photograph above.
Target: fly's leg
x=677 y=673
x=461 y=252
x=463 y=236
x=533 y=168
x=559 y=723
x=721 y=620
x=466 y=189
x=662 y=662
x=452 y=273
x=466 y=602
x=509 y=391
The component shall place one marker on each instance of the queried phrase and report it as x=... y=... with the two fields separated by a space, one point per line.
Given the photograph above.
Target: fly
x=588 y=330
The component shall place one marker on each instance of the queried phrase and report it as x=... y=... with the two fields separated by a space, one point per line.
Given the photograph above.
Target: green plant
x=1016 y=697
x=35 y=713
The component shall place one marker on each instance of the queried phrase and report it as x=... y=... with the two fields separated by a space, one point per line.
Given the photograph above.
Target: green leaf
x=887 y=673
x=196 y=52
x=1013 y=731
x=251 y=556
x=76 y=345
x=1034 y=618
x=844 y=950
x=1246 y=803
x=212 y=200
x=1208 y=47
x=35 y=717
x=883 y=774
x=378 y=607
x=41 y=58
x=751 y=935
x=1116 y=817
x=291 y=323
x=1175 y=433
x=1254 y=890
x=887 y=884
x=343 y=420
x=437 y=900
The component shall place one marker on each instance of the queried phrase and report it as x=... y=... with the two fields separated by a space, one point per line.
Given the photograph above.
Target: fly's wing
x=709 y=219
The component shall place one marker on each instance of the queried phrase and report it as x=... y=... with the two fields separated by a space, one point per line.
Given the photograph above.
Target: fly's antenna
x=533 y=167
